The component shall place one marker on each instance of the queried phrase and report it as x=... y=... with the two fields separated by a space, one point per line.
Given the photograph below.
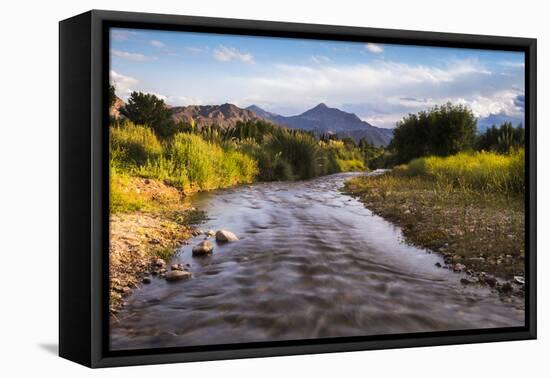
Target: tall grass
x=207 y=165
x=211 y=158
x=134 y=144
x=186 y=161
x=486 y=171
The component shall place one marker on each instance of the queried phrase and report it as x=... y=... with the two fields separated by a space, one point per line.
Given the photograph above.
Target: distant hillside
x=114 y=111
x=323 y=119
x=320 y=119
x=225 y=115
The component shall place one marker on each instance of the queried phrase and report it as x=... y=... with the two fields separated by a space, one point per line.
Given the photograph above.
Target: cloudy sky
x=381 y=83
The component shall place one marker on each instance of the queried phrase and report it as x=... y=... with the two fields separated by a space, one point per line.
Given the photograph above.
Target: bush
x=299 y=150
x=151 y=111
x=441 y=131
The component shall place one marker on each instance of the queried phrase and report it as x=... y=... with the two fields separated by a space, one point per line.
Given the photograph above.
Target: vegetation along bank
x=460 y=194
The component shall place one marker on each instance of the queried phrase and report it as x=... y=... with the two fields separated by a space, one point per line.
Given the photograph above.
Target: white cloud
x=380 y=93
x=501 y=102
x=124 y=85
x=228 y=54
x=136 y=57
x=183 y=100
x=157 y=44
x=374 y=48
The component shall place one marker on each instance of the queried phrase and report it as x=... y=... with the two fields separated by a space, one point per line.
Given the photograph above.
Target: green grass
x=476 y=171
x=133 y=144
x=186 y=161
x=121 y=198
x=201 y=161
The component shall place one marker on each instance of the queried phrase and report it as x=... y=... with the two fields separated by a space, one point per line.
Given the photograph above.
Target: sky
x=381 y=83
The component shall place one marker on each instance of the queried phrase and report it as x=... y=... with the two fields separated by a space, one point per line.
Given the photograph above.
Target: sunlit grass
x=485 y=171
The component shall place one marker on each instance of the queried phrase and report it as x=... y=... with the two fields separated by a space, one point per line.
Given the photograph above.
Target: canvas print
x=272 y=189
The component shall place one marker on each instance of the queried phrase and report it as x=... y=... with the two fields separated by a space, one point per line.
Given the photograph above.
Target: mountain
x=262 y=113
x=114 y=110
x=225 y=115
x=323 y=119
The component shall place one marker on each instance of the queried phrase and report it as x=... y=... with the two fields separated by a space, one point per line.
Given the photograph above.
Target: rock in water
x=519 y=280
x=225 y=236
x=177 y=275
x=205 y=247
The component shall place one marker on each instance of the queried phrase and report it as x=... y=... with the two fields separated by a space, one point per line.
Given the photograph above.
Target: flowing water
x=311 y=263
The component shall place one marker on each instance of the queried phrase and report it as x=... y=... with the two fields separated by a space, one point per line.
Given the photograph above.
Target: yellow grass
x=486 y=171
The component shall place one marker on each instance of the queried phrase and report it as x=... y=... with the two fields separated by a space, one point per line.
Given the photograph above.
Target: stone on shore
x=177 y=275
x=205 y=247
x=160 y=263
x=459 y=267
x=225 y=236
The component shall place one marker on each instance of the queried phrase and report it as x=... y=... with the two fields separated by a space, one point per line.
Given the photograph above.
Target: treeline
x=447 y=130
x=147 y=142
x=442 y=145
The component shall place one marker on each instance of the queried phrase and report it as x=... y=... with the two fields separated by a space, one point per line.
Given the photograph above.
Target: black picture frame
x=84 y=193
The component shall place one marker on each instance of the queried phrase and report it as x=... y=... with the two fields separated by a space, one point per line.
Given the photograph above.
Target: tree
x=501 y=139
x=442 y=131
x=149 y=110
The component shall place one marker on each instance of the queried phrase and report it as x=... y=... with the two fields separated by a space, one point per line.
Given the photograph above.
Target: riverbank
x=149 y=222
x=477 y=232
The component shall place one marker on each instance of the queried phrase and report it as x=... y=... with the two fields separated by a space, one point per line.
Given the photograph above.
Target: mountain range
x=320 y=119
x=225 y=115
x=323 y=119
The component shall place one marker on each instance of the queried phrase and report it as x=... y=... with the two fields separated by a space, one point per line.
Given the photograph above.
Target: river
x=311 y=263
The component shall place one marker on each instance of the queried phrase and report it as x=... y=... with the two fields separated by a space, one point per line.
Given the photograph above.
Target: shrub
x=151 y=111
x=441 y=131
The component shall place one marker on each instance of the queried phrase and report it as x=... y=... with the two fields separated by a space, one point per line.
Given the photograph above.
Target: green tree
x=441 y=131
x=149 y=110
x=501 y=139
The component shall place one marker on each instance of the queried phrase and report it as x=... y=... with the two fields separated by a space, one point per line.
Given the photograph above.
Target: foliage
x=148 y=110
x=501 y=139
x=186 y=161
x=485 y=171
x=134 y=144
x=121 y=199
x=440 y=131
x=287 y=154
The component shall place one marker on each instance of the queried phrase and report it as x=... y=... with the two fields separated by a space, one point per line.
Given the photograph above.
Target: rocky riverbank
x=140 y=244
x=149 y=221
x=479 y=234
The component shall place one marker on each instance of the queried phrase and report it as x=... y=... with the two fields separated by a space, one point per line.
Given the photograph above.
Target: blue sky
x=381 y=83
